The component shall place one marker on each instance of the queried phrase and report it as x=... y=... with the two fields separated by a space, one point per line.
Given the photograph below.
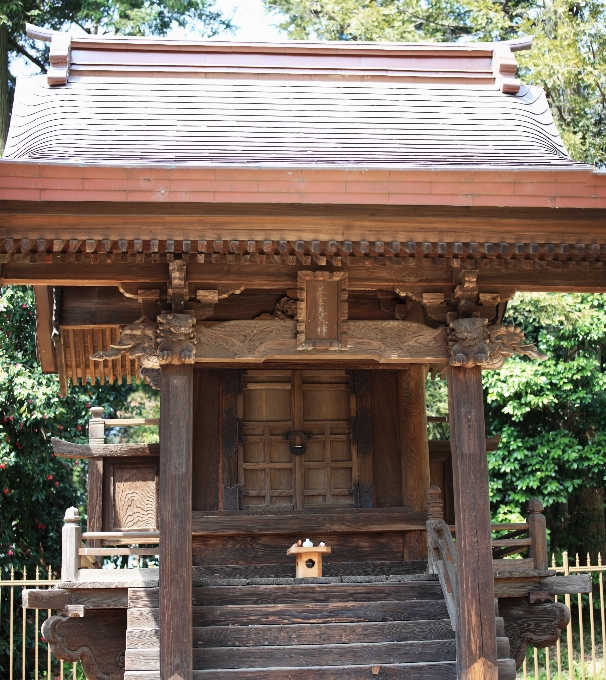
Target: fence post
x=72 y=541
x=537 y=531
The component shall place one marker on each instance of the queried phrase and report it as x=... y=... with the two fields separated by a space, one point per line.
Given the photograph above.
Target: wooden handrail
x=442 y=560
x=130 y=422
x=108 y=535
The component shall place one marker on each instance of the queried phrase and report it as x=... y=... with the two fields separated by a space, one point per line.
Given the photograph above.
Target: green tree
x=397 y=20
x=551 y=416
x=122 y=17
x=568 y=59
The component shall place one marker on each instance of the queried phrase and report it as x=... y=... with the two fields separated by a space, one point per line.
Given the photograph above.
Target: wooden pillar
x=176 y=422
x=477 y=629
x=415 y=453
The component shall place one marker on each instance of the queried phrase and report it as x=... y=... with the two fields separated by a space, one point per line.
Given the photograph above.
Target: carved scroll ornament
x=539 y=625
x=98 y=641
x=472 y=342
x=169 y=341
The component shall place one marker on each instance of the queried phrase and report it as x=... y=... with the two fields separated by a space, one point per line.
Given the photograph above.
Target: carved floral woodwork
x=169 y=341
x=259 y=340
x=472 y=342
x=286 y=308
x=322 y=310
x=539 y=625
x=98 y=641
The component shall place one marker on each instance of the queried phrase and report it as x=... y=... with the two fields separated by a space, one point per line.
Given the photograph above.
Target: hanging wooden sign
x=322 y=310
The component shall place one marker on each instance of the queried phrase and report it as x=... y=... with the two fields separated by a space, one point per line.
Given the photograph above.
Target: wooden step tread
x=351 y=592
x=320 y=612
x=293 y=594
x=325 y=655
x=445 y=670
x=311 y=634
x=337 y=569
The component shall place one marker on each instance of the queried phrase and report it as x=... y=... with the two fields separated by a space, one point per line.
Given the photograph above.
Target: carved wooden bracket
x=539 y=625
x=98 y=641
x=169 y=341
x=472 y=342
x=322 y=310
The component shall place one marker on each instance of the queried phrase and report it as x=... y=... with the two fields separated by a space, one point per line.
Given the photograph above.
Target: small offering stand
x=309 y=559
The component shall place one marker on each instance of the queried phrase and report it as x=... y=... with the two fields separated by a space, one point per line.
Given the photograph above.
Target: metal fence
x=23 y=653
x=578 y=655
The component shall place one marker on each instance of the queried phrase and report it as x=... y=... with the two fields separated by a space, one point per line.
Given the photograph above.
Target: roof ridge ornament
x=60 y=52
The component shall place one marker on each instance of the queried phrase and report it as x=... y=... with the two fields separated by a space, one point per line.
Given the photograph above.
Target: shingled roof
x=357 y=105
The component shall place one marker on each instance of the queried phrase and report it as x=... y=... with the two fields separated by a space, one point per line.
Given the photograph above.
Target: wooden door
x=276 y=404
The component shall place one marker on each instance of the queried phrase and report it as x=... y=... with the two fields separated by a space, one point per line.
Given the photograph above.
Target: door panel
x=266 y=465
x=277 y=403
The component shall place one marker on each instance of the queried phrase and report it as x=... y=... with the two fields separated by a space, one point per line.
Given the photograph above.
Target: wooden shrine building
x=285 y=240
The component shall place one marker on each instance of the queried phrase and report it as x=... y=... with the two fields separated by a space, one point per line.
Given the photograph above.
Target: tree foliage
x=568 y=60
x=36 y=487
x=551 y=415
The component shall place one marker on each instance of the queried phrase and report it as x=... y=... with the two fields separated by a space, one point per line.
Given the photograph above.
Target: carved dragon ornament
x=472 y=342
x=169 y=341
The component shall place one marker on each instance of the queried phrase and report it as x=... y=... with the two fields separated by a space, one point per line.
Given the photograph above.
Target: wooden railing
x=75 y=556
x=442 y=555
x=523 y=537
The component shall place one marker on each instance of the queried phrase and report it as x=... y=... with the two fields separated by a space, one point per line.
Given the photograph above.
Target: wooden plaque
x=322 y=310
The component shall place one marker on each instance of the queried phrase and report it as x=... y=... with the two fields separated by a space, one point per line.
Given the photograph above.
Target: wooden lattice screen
x=79 y=343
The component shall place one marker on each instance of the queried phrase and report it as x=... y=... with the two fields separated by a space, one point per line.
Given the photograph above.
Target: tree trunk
x=4 y=98
x=592 y=507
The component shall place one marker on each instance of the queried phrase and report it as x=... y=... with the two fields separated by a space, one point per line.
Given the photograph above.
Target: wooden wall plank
x=206 y=452
x=229 y=438
x=415 y=451
x=387 y=469
x=176 y=420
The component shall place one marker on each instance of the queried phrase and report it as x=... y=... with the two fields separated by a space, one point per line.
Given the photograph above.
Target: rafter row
x=329 y=252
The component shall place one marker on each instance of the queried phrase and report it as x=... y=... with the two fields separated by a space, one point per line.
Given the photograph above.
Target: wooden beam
x=43 y=296
x=69 y=450
x=414 y=452
x=176 y=429
x=477 y=654
x=364 y=521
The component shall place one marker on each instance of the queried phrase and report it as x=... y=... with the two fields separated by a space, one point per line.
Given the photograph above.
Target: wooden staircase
x=347 y=628
x=320 y=631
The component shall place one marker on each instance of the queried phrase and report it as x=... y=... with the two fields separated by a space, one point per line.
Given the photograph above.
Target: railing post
x=537 y=531
x=71 y=543
x=96 y=435
x=435 y=506
x=96 y=426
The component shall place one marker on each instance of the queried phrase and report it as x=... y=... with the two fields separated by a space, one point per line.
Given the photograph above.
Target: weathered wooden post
x=176 y=416
x=414 y=452
x=473 y=345
x=71 y=542
x=537 y=531
x=176 y=355
x=477 y=629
